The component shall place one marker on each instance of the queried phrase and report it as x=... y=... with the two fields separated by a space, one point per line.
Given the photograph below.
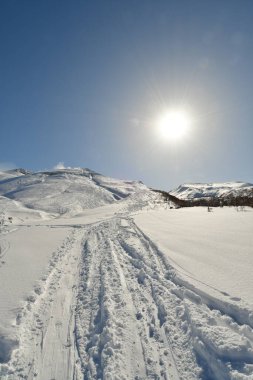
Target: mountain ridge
x=215 y=189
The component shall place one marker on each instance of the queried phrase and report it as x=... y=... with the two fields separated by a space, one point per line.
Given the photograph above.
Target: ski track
x=45 y=324
x=111 y=307
x=4 y=244
x=4 y=247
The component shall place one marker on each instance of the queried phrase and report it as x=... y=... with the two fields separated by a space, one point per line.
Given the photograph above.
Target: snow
x=25 y=254
x=205 y=190
x=66 y=192
x=101 y=280
x=212 y=249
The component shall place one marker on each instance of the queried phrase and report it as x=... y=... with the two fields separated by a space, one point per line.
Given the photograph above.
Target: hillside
x=227 y=193
x=63 y=192
x=212 y=190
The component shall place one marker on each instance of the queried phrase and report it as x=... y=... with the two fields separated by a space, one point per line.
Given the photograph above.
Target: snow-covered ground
x=126 y=289
x=213 y=249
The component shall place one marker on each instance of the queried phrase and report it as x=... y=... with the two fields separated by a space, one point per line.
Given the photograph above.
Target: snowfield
x=213 y=249
x=101 y=280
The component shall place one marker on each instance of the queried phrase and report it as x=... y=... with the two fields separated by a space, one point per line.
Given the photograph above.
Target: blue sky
x=82 y=82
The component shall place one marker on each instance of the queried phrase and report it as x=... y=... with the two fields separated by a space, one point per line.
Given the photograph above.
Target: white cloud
x=60 y=165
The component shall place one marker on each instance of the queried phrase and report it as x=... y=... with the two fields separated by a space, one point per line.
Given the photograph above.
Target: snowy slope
x=66 y=191
x=20 y=213
x=216 y=190
x=120 y=286
x=12 y=173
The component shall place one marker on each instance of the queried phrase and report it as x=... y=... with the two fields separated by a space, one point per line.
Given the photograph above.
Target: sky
x=83 y=83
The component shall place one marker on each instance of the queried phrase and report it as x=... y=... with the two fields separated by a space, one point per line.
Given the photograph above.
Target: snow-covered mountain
x=192 y=191
x=65 y=191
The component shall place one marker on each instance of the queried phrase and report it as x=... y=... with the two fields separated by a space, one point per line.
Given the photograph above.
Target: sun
x=173 y=125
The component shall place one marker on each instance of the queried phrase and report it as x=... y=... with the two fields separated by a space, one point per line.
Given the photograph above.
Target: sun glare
x=173 y=125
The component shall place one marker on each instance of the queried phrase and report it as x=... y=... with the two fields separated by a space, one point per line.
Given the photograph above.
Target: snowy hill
x=12 y=173
x=224 y=190
x=65 y=191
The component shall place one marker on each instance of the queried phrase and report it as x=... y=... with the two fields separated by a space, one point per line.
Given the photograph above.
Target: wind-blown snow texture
x=98 y=281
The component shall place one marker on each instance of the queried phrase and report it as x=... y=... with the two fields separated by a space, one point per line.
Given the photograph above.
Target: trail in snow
x=113 y=307
x=117 y=320
x=46 y=323
x=4 y=246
